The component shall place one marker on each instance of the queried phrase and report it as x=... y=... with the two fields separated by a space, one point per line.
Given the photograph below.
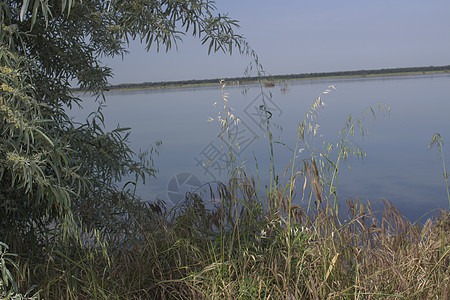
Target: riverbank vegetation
x=70 y=230
x=245 y=253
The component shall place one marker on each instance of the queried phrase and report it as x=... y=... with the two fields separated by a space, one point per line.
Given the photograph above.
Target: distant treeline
x=246 y=80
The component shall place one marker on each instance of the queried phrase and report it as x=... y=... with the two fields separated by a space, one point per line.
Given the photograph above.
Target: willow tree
x=50 y=166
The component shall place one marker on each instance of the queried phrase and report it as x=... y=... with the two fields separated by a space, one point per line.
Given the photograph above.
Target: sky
x=305 y=36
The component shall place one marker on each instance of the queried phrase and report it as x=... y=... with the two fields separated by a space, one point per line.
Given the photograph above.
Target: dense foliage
x=53 y=168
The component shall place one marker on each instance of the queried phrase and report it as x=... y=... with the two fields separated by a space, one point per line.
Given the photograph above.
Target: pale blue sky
x=303 y=36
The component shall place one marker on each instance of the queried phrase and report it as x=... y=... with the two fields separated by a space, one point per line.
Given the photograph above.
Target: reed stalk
x=438 y=142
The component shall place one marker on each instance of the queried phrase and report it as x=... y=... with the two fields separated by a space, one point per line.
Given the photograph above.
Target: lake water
x=398 y=166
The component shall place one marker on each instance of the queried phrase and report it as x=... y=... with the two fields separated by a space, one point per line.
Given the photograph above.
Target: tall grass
x=438 y=142
x=252 y=246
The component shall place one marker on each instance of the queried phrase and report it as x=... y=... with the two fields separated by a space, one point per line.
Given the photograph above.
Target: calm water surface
x=398 y=166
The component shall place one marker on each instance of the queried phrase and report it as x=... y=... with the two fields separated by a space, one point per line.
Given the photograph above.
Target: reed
x=319 y=257
x=438 y=142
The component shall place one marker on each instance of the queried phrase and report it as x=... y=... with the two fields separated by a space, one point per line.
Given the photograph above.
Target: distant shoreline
x=269 y=81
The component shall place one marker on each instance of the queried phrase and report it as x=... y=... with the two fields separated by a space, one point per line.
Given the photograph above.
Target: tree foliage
x=52 y=167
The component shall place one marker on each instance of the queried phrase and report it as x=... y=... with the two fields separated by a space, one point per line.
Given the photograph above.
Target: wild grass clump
x=253 y=254
x=249 y=245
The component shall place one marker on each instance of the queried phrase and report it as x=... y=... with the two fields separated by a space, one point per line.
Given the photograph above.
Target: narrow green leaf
x=120 y=129
x=63 y=5
x=34 y=14
x=44 y=136
x=24 y=9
